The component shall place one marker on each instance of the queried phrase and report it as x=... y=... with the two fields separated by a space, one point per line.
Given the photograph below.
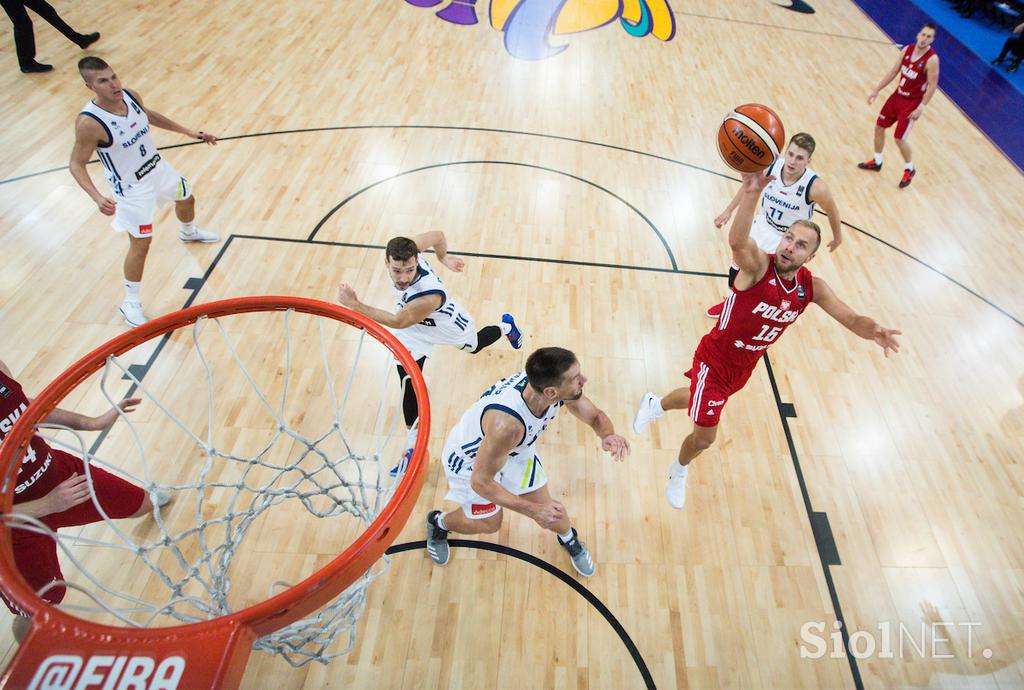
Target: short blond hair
x=810 y=224
x=804 y=141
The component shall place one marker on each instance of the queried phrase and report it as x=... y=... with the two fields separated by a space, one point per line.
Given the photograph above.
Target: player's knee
x=144 y=509
x=490 y=525
x=703 y=441
x=140 y=245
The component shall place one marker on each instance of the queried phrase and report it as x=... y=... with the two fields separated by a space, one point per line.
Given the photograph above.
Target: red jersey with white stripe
x=913 y=73
x=34 y=479
x=754 y=318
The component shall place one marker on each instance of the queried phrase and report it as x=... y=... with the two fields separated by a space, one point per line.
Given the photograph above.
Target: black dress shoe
x=35 y=67
x=88 y=39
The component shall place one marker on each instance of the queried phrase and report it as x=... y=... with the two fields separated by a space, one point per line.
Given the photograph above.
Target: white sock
x=506 y=328
x=440 y=522
x=908 y=166
x=410 y=437
x=878 y=158
x=131 y=290
x=657 y=406
x=565 y=538
x=188 y=228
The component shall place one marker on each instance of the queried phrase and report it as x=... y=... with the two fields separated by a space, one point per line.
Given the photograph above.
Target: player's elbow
x=481 y=485
x=737 y=243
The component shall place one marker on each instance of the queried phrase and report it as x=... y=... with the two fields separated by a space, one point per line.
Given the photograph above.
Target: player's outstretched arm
x=863 y=326
x=822 y=196
x=163 y=122
x=723 y=217
x=502 y=432
x=587 y=412
x=413 y=312
x=745 y=252
x=88 y=135
x=81 y=422
x=436 y=240
x=889 y=76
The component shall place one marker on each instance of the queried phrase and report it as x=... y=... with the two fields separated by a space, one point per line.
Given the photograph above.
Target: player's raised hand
x=616 y=445
x=886 y=340
x=67 y=494
x=550 y=514
x=107 y=419
x=756 y=181
x=722 y=218
x=346 y=295
x=210 y=139
x=834 y=244
x=453 y=263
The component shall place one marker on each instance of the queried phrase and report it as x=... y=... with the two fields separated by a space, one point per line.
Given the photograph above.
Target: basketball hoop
x=207 y=642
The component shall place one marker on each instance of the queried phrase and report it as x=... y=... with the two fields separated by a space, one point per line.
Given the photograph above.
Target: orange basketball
x=750 y=138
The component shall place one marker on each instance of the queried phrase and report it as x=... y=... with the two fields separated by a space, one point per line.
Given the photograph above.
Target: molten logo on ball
x=748 y=141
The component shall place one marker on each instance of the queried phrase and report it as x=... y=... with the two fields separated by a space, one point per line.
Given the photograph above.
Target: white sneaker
x=132 y=313
x=650 y=409
x=676 y=491
x=199 y=236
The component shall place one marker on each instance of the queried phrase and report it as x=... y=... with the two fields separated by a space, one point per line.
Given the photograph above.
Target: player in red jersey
x=770 y=292
x=52 y=487
x=919 y=69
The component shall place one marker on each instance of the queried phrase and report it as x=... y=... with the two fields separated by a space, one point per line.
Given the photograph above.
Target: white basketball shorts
x=522 y=474
x=139 y=204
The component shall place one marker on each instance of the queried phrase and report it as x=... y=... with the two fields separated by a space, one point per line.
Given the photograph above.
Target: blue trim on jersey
x=444 y=297
x=507 y=410
x=108 y=163
x=533 y=470
x=807 y=194
x=110 y=137
x=420 y=272
x=519 y=387
x=132 y=98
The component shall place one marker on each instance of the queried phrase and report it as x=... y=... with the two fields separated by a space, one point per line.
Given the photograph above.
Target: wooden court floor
x=580 y=189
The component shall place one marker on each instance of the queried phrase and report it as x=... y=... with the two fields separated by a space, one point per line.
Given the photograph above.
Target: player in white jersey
x=426 y=314
x=491 y=462
x=790 y=197
x=116 y=126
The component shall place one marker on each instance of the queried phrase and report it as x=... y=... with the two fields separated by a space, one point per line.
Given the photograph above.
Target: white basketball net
x=179 y=564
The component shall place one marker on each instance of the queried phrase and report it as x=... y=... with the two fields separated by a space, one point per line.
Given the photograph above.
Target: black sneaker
x=86 y=40
x=581 y=560
x=908 y=175
x=437 y=540
x=34 y=66
x=870 y=165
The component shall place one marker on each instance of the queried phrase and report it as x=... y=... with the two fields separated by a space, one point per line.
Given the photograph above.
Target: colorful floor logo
x=528 y=25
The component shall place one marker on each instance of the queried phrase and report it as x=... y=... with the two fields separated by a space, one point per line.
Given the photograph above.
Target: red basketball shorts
x=36 y=554
x=897 y=110
x=710 y=387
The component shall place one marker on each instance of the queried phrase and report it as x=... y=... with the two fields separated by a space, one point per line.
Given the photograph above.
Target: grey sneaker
x=581 y=559
x=437 y=540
